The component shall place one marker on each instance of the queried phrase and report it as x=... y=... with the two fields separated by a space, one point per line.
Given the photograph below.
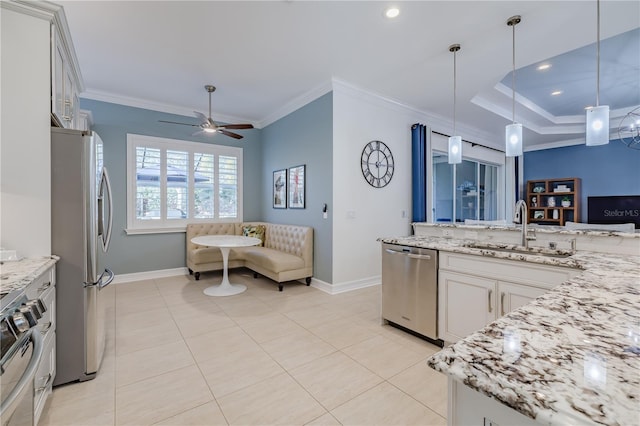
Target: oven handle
x=27 y=377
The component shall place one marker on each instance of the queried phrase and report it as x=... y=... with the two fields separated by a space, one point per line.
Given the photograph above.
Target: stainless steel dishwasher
x=410 y=288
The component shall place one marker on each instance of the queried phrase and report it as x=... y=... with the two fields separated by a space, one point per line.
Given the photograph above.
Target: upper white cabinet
x=65 y=102
x=476 y=290
x=26 y=116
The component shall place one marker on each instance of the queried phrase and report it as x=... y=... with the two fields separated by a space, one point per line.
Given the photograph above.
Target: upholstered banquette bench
x=285 y=255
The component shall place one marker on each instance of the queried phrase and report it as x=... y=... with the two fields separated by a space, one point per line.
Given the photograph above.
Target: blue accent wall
x=140 y=253
x=611 y=169
x=303 y=137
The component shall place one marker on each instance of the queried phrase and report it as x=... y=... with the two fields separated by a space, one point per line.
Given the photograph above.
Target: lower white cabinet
x=467 y=304
x=476 y=290
x=43 y=288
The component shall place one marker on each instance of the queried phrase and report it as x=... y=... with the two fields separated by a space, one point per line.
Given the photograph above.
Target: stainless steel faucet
x=521 y=216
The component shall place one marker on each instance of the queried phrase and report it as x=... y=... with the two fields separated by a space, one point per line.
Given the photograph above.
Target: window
x=171 y=183
x=475 y=194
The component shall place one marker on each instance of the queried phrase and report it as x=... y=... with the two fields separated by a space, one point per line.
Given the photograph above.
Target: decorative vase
x=555 y=214
x=551 y=202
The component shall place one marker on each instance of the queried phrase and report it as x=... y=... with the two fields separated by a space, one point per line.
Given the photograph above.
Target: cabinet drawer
x=46 y=324
x=41 y=284
x=45 y=374
x=543 y=276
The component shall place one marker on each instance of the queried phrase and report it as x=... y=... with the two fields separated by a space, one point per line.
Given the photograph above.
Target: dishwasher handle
x=419 y=256
x=410 y=255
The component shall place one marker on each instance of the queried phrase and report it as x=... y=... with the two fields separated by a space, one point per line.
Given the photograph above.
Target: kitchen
x=339 y=273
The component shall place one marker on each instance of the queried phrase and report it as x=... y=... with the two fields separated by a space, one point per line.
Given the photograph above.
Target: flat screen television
x=614 y=209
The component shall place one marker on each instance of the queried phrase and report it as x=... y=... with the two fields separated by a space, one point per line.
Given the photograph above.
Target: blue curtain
x=419 y=172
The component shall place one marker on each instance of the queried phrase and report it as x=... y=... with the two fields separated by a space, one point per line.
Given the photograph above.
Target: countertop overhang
x=571 y=356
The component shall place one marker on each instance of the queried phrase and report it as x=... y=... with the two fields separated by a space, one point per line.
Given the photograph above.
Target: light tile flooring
x=177 y=357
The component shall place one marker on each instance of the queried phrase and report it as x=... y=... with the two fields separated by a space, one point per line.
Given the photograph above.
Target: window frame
x=164 y=225
x=478 y=154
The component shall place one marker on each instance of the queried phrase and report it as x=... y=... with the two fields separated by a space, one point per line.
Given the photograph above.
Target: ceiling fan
x=208 y=126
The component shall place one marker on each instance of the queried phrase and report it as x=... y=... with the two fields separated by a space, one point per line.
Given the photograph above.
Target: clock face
x=377 y=164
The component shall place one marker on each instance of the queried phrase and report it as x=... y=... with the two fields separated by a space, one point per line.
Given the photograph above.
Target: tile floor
x=301 y=357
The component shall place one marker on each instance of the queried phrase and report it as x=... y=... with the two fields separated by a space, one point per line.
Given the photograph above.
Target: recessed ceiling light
x=544 y=67
x=556 y=93
x=392 y=12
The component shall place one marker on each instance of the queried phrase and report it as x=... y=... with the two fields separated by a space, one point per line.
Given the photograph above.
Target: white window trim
x=136 y=226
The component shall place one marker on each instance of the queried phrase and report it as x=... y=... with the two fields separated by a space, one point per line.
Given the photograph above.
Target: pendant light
x=455 y=142
x=513 y=131
x=598 y=116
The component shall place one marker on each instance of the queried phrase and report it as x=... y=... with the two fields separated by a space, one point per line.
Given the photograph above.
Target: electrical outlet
x=447 y=233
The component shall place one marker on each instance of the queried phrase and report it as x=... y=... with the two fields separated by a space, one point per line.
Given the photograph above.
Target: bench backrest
x=197 y=229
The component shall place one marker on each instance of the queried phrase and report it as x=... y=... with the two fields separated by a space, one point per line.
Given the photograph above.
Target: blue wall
x=139 y=253
x=303 y=137
x=611 y=169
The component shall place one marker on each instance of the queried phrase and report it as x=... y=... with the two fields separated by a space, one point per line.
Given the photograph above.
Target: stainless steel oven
x=20 y=356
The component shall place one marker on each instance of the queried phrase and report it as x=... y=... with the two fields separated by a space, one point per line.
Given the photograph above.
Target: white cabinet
x=43 y=288
x=467 y=304
x=512 y=296
x=475 y=290
x=65 y=104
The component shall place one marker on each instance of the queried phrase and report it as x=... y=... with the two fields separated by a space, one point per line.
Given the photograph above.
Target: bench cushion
x=273 y=260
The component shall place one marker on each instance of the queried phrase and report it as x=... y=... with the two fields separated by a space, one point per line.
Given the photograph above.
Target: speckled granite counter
x=16 y=275
x=572 y=356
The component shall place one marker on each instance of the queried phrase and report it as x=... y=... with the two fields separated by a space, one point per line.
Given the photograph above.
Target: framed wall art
x=280 y=189
x=297 y=187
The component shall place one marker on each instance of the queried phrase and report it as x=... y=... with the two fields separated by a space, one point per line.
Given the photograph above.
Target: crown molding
x=98 y=95
x=436 y=122
x=295 y=104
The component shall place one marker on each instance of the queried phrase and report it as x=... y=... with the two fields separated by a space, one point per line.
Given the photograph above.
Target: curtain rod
x=472 y=143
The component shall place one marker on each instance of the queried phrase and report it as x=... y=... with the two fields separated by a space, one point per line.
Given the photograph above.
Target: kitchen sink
x=516 y=249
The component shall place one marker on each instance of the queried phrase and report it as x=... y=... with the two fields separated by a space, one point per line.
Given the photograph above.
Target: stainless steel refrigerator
x=81 y=221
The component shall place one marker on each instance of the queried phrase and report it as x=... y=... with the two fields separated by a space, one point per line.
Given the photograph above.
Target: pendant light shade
x=598 y=125
x=513 y=136
x=597 y=116
x=455 y=142
x=513 y=132
x=455 y=150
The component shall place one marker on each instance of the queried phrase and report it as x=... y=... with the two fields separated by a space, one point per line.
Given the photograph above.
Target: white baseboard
x=345 y=286
x=316 y=283
x=149 y=275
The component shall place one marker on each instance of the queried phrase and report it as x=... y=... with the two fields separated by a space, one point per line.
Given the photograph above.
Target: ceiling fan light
x=455 y=150
x=513 y=136
x=209 y=130
x=598 y=125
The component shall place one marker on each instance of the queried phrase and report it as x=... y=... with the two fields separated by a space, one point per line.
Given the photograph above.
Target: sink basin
x=516 y=249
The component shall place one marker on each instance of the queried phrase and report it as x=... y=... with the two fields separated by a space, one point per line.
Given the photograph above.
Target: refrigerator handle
x=103 y=284
x=105 y=186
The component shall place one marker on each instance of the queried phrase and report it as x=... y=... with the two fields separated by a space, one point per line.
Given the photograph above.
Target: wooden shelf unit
x=551 y=191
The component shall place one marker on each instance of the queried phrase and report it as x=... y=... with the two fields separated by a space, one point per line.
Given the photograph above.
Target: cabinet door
x=58 y=65
x=467 y=303
x=69 y=93
x=512 y=295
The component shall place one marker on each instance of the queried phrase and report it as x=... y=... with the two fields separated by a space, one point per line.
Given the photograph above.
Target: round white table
x=225 y=243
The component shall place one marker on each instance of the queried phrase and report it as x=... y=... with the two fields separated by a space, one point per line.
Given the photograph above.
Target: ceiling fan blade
x=227 y=133
x=236 y=126
x=201 y=116
x=175 y=122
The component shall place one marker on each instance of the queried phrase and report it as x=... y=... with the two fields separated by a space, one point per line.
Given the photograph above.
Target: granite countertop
x=17 y=274
x=571 y=356
x=539 y=228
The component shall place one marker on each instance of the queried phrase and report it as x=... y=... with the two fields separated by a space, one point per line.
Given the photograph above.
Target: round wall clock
x=377 y=164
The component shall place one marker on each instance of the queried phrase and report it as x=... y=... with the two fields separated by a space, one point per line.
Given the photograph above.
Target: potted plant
x=566 y=202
